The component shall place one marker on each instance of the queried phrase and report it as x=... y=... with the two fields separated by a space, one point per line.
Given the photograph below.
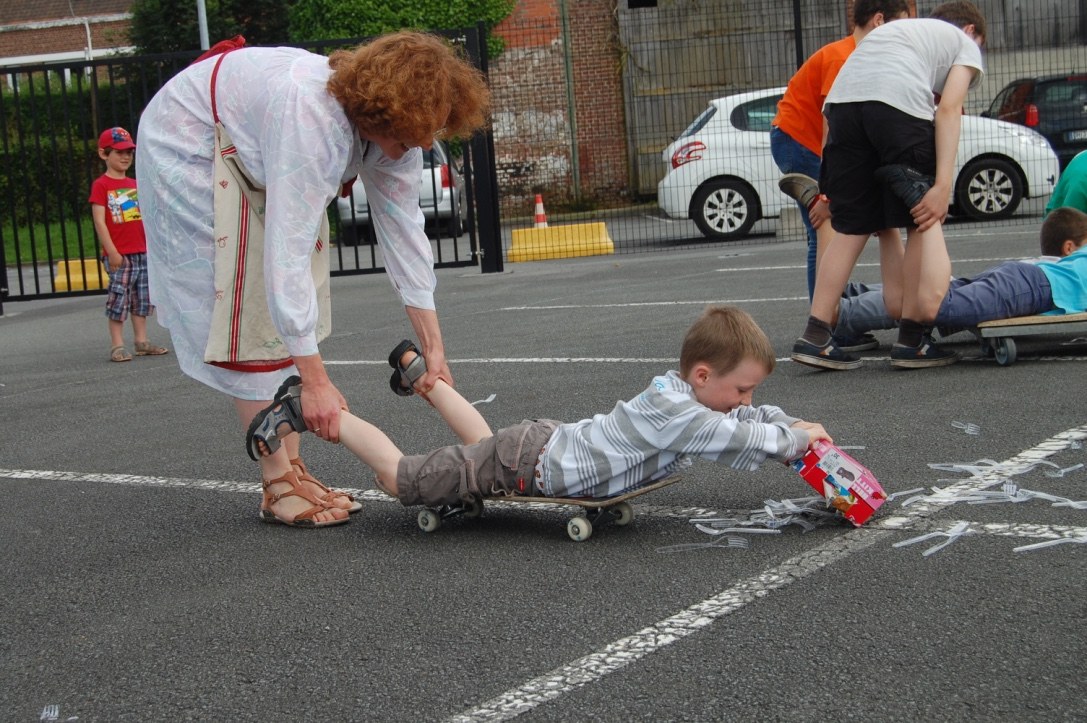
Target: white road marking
x=651 y=360
x=635 y=304
x=632 y=648
x=143 y=481
x=623 y=652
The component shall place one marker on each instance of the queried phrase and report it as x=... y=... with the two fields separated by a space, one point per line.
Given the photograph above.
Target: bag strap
x=221 y=49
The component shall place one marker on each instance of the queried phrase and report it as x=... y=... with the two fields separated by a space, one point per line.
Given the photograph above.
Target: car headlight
x=1026 y=136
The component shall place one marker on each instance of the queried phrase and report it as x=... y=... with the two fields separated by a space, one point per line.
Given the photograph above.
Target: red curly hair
x=400 y=84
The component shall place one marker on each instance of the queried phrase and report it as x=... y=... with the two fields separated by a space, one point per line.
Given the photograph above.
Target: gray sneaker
x=797 y=186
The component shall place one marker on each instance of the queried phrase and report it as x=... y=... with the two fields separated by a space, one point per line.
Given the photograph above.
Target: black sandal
x=286 y=408
x=414 y=371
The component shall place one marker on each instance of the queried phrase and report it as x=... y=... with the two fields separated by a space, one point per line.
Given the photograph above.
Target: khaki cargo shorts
x=500 y=465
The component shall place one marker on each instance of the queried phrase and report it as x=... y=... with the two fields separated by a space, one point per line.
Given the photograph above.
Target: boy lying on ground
x=703 y=410
x=1056 y=283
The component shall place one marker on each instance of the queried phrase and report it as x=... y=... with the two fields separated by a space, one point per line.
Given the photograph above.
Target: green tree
x=262 y=22
x=334 y=19
x=164 y=26
x=168 y=26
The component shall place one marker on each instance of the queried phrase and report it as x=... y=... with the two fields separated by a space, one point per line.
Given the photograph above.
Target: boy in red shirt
x=115 y=210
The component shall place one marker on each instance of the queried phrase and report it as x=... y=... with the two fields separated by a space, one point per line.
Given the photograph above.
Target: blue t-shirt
x=1068 y=280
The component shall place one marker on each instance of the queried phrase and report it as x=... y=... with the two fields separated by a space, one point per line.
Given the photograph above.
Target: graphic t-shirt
x=123 y=219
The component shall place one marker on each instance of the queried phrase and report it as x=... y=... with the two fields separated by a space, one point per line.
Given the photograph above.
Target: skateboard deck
x=597 y=509
x=998 y=336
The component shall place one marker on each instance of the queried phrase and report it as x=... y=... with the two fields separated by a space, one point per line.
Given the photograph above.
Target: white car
x=441 y=196
x=721 y=174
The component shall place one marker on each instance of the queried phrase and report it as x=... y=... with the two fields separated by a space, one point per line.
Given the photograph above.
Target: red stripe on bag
x=239 y=281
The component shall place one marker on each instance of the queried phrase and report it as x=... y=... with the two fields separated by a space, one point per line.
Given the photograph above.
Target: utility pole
x=202 y=21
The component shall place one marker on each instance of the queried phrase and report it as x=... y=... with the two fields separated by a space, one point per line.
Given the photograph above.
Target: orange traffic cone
x=541 y=217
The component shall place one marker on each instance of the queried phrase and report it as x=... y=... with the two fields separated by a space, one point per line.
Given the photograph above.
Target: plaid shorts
x=128 y=288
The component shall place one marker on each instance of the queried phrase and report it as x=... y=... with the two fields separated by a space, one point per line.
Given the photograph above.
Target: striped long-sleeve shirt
x=656 y=433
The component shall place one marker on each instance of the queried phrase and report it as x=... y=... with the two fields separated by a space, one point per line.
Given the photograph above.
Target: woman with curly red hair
x=239 y=157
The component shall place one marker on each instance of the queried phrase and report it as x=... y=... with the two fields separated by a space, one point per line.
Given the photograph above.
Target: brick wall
x=67 y=38
x=534 y=143
x=601 y=130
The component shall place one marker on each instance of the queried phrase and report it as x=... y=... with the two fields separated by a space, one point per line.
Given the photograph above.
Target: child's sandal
x=146 y=348
x=286 y=408
x=410 y=374
x=329 y=494
x=119 y=354
x=304 y=518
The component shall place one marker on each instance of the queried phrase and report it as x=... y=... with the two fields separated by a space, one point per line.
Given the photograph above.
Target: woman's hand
x=321 y=400
x=436 y=368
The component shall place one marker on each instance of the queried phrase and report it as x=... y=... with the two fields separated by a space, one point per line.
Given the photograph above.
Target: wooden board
x=1037 y=324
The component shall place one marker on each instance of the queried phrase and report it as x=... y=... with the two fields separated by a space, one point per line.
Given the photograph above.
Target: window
x=756 y=115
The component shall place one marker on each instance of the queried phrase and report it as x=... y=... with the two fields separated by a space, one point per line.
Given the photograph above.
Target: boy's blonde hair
x=397 y=85
x=723 y=337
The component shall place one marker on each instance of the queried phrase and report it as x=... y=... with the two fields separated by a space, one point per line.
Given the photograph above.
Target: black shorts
x=863 y=137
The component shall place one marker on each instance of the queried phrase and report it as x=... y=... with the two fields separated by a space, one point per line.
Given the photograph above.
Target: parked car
x=1054 y=105
x=441 y=196
x=721 y=174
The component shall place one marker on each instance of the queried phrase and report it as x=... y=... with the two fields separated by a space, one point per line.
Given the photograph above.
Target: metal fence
x=665 y=61
x=50 y=117
x=586 y=102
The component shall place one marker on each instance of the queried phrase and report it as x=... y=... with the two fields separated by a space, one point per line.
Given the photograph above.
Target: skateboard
x=580 y=528
x=997 y=336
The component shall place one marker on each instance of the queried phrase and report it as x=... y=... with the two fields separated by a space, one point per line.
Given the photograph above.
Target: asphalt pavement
x=139 y=584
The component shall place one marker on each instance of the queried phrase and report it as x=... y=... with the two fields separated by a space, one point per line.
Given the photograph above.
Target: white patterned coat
x=292 y=137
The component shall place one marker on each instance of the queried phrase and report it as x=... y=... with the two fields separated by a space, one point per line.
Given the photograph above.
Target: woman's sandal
x=303 y=474
x=286 y=408
x=119 y=354
x=412 y=373
x=304 y=518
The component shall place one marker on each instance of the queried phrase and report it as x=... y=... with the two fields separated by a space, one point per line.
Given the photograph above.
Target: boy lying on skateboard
x=702 y=410
x=1055 y=283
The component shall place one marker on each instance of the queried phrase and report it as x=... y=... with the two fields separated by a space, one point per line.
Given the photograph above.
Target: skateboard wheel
x=429 y=520
x=1005 y=352
x=624 y=514
x=473 y=508
x=579 y=529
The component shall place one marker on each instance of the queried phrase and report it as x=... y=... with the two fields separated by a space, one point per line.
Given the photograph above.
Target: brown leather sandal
x=146 y=348
x=303 y=474
x=303 y=519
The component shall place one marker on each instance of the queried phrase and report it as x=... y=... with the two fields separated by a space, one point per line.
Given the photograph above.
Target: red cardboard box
x=847 y=484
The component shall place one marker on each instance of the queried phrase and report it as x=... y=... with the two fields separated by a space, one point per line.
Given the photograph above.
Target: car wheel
x=724 y=209
x=988 y=188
